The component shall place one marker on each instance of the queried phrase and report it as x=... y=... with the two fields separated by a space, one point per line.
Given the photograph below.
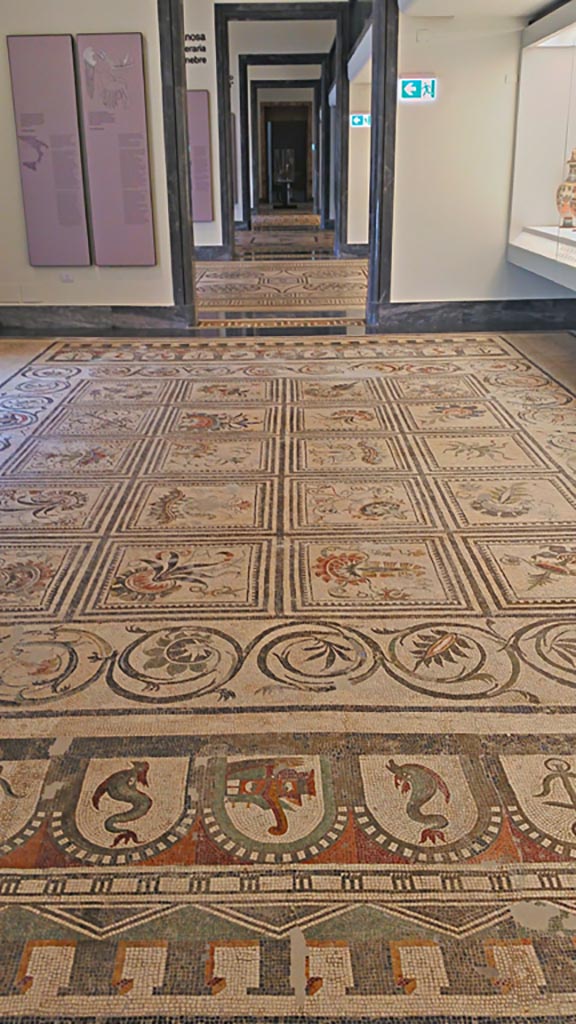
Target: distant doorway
x=286 y=171
x=286 y=162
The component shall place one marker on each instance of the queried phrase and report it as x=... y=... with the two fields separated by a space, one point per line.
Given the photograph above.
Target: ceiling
x=282 y=36
x=474 y=8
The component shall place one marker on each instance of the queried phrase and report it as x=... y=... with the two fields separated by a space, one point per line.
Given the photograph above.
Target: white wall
x=245 y=37
x=90 y=285
x=454 y=165
x=359 y=167
x=546 y=134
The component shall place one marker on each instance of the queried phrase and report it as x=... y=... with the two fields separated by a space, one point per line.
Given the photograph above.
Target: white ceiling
x=473 y=8
x=281 y=36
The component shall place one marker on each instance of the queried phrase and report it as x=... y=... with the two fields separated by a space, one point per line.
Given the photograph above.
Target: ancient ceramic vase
x=566 y=195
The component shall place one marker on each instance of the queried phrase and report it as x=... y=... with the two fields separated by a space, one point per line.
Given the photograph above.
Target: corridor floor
x=288 y=670
x=277 y=234
x=281 y=285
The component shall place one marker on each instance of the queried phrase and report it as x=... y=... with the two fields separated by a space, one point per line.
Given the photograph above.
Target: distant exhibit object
x=566 y=195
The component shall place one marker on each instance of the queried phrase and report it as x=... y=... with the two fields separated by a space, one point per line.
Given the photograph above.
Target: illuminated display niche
x=543 y=211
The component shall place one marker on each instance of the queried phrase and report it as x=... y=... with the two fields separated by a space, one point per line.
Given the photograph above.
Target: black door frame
x=261 y=85
x=177 y=319
x=310 y=10
x=245 y=61
x=418 y=317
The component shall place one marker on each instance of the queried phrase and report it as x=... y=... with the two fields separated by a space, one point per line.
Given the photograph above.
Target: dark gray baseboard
x=397 y=317
x=213 y=252
x=355 y=249
x=493 y=316
x=102 y=321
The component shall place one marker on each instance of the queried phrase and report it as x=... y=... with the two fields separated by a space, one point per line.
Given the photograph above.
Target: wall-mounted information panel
x=46 y=116
x=200 y=155
x=111 y=69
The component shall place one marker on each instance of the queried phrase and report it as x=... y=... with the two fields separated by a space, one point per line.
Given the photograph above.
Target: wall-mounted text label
x=116 y=140
x=42 y=70
x=200 y=155
x=195 y=49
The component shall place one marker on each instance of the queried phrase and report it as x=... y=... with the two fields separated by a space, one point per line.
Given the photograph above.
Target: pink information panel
x=111 y=70
x=200 y=155
x=46 y=115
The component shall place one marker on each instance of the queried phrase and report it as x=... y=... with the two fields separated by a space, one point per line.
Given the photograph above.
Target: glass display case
x=543 y=211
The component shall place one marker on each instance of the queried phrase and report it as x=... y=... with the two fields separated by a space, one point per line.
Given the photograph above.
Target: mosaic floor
x=287 y=219
x=282 y=284
x=269 y=244
x=288 y=683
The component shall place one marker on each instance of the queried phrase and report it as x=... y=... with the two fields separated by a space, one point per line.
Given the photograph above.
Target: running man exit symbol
x=418 y=89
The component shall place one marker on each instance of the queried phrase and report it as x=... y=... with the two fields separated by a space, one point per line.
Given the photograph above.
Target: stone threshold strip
x=293 y=322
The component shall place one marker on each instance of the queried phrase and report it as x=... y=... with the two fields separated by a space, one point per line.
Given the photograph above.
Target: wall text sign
x=111 y=69
x=200 y=155
x=48 y=134
x=195 y=48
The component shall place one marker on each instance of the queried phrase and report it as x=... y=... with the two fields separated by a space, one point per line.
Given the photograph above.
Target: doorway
x=283 y=243
x=285 y=131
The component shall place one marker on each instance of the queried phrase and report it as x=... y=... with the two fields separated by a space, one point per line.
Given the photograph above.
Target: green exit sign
x=416 y=89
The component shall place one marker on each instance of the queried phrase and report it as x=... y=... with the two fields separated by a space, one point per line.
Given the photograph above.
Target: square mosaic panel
x=477 y=501
x=177 y=505
x=76 y=507
x=359 y=572
x=208 y=454
x=345 y=419
x=497 y=451
x=200 y=575
x=234 y=422
x=353 y=454
x=527 y=573
x=451 y=414
x=108 y=420
x=37 y=579
x=366 y=503
x=53 y=457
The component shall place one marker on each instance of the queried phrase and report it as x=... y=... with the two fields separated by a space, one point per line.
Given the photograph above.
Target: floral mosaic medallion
x=287 y=676
x=377 y=575
x=186 y=575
